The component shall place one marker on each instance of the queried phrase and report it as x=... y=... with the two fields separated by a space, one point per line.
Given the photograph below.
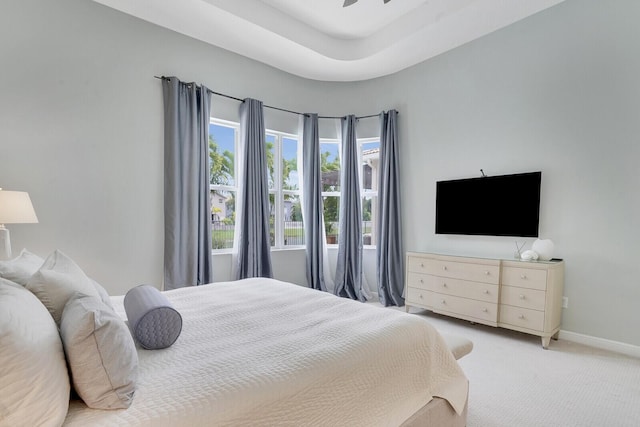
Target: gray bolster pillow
x=153 y=320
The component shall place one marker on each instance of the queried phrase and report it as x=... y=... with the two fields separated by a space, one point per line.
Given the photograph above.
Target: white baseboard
x=615 y=346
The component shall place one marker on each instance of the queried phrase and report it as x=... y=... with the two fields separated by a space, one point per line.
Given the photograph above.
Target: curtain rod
x=273 y=108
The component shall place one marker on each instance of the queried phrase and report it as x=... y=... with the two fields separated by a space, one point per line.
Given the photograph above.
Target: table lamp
x=15 y=208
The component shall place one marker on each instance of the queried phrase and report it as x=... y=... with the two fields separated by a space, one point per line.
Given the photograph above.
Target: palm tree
x=220 y=164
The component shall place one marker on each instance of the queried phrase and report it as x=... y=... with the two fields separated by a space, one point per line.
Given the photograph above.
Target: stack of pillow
x=57 y=324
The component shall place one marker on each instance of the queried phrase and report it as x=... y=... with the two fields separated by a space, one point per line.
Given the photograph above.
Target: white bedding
x=264 y=352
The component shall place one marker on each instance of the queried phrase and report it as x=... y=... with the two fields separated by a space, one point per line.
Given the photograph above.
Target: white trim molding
x=601 y=343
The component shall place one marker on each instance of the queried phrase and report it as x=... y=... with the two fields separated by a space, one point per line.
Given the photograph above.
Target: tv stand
x=512 y=294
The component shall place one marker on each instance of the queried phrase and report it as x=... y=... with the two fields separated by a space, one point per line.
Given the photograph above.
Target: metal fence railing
x=293 y=233
x=222 y=233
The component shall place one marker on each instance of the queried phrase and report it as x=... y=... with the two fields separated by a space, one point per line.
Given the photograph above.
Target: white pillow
x=101 y=353
x=33 y=371
x=56 y=282
x=21 y=268
x=104 y=296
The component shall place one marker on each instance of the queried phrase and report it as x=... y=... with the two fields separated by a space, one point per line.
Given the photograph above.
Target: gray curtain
x=389 y=255
x=187 y=208
x=253 y=257
x=312 y=202
x=349 y=263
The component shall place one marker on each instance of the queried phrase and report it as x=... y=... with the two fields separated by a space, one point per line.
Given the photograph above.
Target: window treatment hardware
x=275 y=108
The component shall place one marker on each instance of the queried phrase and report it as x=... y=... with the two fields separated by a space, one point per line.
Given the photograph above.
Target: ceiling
x=321 y=40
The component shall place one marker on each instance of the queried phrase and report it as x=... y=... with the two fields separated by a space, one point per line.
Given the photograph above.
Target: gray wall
x=557 y=92
x=81 y=130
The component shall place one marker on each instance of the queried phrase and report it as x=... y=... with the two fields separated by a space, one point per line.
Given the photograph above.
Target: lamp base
x=5 y=243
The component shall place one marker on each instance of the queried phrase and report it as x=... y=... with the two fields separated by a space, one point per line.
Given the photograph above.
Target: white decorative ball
x=544 y=249
x=529 y=256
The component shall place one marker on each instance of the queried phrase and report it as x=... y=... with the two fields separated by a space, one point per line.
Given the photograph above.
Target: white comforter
x=264 y=352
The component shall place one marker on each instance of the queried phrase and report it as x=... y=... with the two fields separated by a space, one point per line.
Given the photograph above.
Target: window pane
x=272 y=218
x=369 y=219
x=289 y=164
x=221 y=154
x=270 y=141
x=331 y=213
x=223 y=215
x=370 y=161
x=293 y=228
x=330 y=166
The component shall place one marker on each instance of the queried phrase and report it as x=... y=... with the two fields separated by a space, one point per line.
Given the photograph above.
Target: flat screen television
x=503 y=205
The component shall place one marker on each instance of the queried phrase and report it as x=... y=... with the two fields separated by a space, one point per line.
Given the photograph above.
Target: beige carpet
x=515 y=383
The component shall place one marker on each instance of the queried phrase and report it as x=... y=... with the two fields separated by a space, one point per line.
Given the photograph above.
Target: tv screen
x=504 y=205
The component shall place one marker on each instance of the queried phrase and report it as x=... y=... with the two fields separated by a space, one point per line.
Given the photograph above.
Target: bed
x=265 y=352
x=250 y=352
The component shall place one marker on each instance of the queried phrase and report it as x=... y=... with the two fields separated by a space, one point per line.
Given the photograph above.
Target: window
x=330 y=177
x=369 y=152
x=285 y=220
x=223 y=137
x=370 y=160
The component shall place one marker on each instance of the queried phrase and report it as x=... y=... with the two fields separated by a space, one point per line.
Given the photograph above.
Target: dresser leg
x=545 y=342
x=406 y=307
x=555 y=336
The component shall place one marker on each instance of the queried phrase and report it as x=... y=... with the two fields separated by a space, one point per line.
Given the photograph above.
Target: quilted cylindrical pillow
x=153 y=320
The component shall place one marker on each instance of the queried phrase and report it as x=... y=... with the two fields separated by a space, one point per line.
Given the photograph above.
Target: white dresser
x=518 y=295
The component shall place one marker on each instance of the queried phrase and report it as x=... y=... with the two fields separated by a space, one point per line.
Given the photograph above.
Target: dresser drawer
x=524 y=277
x=463 y=288
x=420 y=297
x=522 y=317
x=418 y=280
x=449 y=304
x=523 y=297
x=487 y=273
x=417 y=264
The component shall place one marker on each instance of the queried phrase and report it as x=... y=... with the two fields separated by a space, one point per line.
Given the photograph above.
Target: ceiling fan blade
x=386 y=1
x=349 y=2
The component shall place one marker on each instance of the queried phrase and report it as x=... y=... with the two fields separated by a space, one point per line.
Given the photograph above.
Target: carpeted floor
x=514 y=382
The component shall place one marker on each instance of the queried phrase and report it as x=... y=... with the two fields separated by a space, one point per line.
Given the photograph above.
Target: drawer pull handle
x=420 y=296
x=422 y=264
x=486 y=273
x=444 y=285
x=421 y=281
x=485 y=310
x=444 y=267
x=486 y=291
x=444 y=302
x=523 y=276
x=521 y=316
x=521 y=296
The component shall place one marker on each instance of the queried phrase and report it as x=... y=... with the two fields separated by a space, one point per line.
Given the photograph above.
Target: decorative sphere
x=544 y=249
x=529 y=256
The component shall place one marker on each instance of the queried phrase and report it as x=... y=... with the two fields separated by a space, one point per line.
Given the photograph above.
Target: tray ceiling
x=321 y=40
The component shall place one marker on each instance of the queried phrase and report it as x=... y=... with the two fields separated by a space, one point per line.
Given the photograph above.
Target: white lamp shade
x=16 y=208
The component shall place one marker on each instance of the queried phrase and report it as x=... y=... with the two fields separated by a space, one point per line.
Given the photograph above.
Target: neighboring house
x=218 y=205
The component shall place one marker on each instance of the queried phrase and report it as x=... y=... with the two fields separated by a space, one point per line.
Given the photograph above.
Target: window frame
x=226 y=187
x=278 y=186
x=372 y=193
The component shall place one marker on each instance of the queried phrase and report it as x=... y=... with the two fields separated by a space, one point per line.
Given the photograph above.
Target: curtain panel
x=187 y=207
x=389 y=252
x=252 y=238
x=312 y=206
x=348 y=281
